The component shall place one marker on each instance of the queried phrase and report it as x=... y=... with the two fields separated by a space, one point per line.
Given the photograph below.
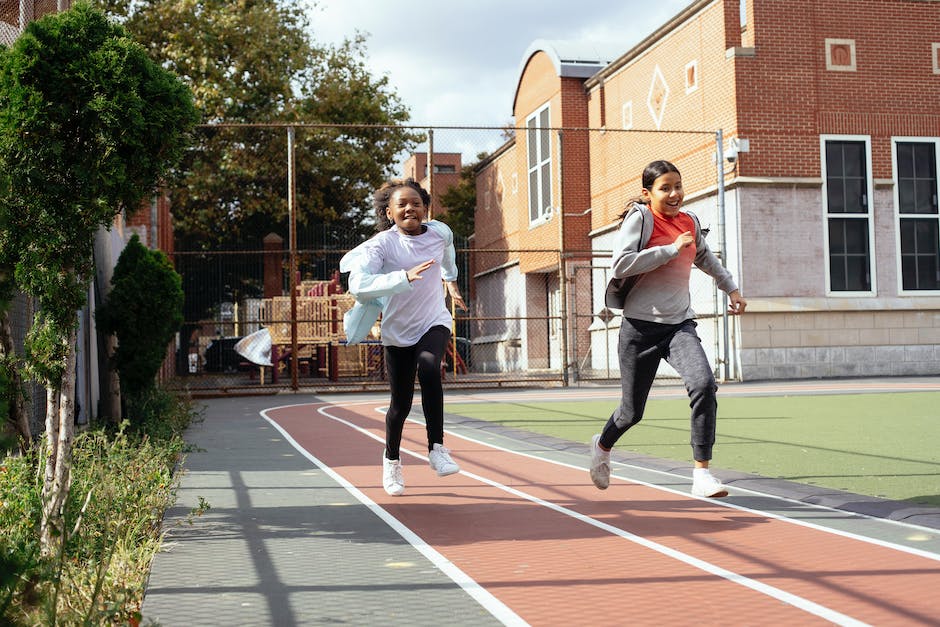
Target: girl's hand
x=415 y=273
x=684 y=240
x=454 y=293
x=737 y=304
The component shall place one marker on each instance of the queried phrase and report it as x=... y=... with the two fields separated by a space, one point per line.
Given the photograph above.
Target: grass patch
x=122 y=483
x=881 y=445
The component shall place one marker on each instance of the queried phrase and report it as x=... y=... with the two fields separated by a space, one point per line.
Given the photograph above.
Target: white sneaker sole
x=714 y=495
x=445 y=473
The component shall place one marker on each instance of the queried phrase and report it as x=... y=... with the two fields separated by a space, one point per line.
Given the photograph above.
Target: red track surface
x=541 y=539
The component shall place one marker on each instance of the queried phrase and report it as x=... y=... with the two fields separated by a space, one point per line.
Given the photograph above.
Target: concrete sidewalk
x=283 y=544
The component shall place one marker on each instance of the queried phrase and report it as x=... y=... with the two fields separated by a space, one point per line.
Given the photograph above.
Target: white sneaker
x=393 y=480
x=707 y=485
x=440 y=461
x=600 y=464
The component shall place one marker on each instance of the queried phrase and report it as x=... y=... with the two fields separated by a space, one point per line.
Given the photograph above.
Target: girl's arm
x=366 y=279
x=630 y=258
x=706 y=261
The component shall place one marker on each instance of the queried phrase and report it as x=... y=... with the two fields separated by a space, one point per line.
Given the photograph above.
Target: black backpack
x=617 y=289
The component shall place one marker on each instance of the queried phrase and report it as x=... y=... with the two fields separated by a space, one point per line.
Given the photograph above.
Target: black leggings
x=401 y=363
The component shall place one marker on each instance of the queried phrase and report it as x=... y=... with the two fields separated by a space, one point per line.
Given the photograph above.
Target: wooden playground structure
x=321 y=342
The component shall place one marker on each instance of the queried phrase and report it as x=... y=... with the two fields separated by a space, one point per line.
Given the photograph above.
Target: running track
x=534 y=542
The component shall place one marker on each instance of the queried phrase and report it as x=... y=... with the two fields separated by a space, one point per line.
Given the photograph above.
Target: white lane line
x=723 y=503
x=381 y=408
x=494 y=606
x=793 y=600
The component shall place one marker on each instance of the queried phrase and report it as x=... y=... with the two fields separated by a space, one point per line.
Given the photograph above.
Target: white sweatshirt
x=379 y=268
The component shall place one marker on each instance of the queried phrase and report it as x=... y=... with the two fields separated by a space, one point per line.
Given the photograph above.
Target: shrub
x=144 y=310
x=123 y=481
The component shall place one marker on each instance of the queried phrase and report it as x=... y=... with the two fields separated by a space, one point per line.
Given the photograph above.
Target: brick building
x=826 y=210
x=447 y=166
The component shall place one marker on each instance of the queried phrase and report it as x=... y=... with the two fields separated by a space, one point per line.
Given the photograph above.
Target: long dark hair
x=383 y=195
x=651 y=172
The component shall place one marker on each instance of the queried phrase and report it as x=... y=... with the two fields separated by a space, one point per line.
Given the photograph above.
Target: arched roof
x=572 y=59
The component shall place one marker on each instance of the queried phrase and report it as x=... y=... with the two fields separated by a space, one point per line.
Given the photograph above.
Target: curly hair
x=383 y=195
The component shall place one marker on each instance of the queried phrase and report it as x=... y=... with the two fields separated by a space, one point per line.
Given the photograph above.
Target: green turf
x=885 y=445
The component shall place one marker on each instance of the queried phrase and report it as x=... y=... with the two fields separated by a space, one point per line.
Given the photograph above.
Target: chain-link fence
x=16 y=14
x=264 y=213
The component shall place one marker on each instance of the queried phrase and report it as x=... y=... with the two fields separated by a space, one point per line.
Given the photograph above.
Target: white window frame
x=626 y=115
x=869 y=216
x=898 y=216
x=691 y=86
x=543 y=212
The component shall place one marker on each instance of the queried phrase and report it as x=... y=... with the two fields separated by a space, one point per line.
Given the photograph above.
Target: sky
x=457 y=62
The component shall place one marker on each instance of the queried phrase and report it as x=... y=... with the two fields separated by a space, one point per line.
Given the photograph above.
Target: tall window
x=539 y=146
x=918 y=218
x=848 y=214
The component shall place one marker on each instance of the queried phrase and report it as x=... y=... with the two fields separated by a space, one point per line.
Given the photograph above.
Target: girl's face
x=406 y=210
x=665 y=194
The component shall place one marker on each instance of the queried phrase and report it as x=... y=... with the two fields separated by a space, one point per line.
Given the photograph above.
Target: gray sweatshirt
x=654 y=297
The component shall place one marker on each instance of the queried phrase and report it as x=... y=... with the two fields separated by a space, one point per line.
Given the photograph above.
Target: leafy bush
x=123 y=482
x=144 y=310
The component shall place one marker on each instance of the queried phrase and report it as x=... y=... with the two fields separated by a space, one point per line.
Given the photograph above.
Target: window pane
x=927 y=240
x=533 y=195
x=928 y=275
x=908 y=273
x=908 y=235
x=917 y=177
x=546 y=188
x=835 y=198
x=856 y=236
x=545 y=145
x=906 y=197
x=846 y=177
x=833 y=159
x=855 y=196
x=837 y=275
x=856 y=274
x=853 y=159
x=905 y=160
x=925 y=166
x=532 y=143
x=920 y=254
x=836 y=237
x=925 y=192
x=849 y=261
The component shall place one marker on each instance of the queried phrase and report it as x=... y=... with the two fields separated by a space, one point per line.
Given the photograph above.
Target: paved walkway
x=283 y=543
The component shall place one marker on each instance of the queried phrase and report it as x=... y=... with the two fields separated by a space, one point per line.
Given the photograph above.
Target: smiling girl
x=405 y=264
x=658 y=243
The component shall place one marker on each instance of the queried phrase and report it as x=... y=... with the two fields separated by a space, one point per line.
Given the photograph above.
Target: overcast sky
x=456 y=63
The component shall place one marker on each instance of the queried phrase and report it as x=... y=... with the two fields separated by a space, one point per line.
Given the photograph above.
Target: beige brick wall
x=817 y=344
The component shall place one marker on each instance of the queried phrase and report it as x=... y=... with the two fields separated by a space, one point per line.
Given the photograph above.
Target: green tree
x=255 y=62
x=461 y=201
x=88 y=126
x=144 y=309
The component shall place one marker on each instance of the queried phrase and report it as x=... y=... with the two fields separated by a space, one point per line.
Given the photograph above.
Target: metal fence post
x=292 y=215
x=562 y=278
x=722 y=249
